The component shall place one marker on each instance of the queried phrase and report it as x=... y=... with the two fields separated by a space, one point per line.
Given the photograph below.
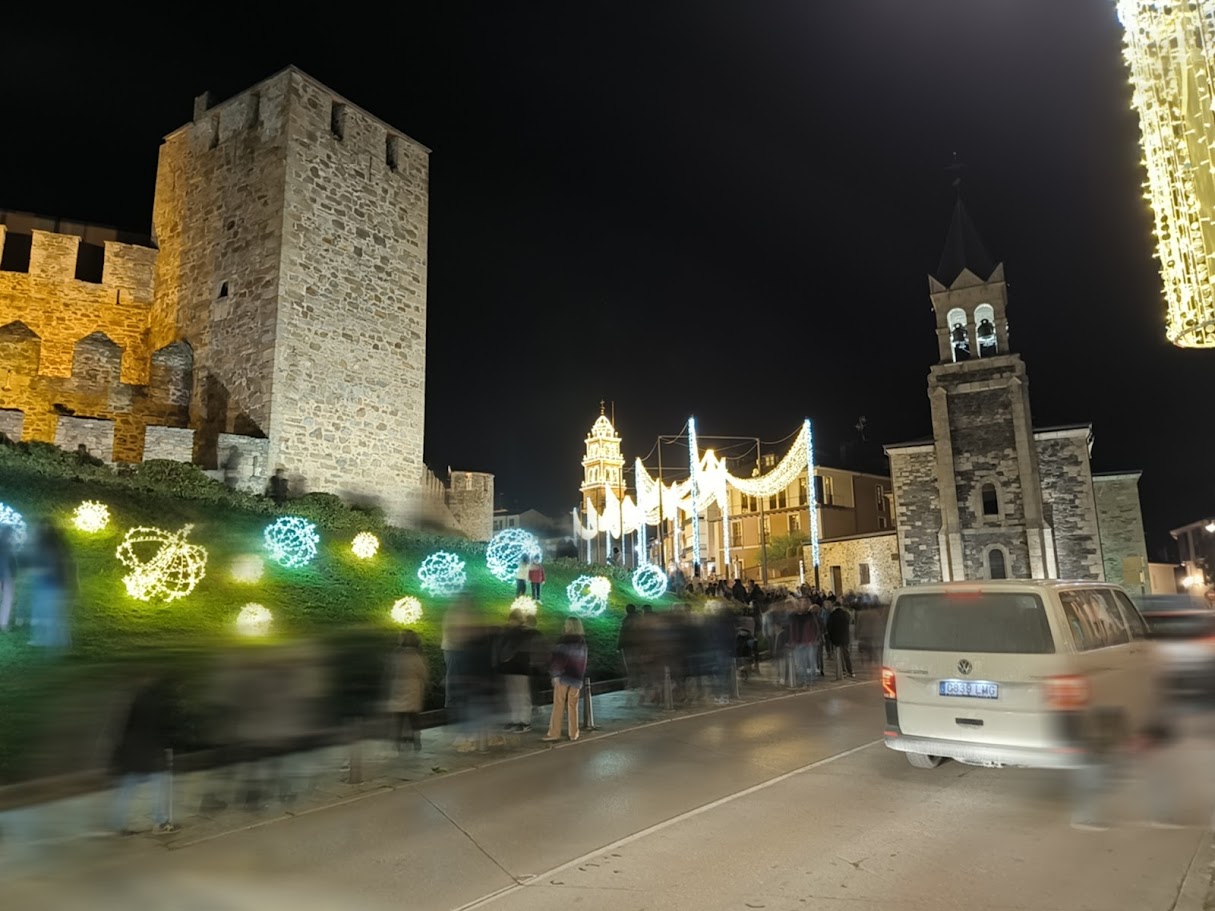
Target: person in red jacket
x=535 y=575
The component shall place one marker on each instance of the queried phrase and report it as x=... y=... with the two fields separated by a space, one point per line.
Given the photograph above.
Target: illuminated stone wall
x=470 y=497
x=879 y=552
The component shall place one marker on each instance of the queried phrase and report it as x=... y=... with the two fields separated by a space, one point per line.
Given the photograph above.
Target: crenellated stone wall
x=470 y=497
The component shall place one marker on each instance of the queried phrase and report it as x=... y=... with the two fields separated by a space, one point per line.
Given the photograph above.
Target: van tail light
x=1067 y=693
x=889 y=690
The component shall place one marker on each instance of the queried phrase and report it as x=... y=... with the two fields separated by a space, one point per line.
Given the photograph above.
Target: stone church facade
x=277 y=320
x=990 y=495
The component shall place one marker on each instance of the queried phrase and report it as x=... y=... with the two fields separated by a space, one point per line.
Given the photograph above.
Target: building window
x=824 y=490
x=997 y=567
x=862 y=570
x=959 y=334
x=795 y=522
x=882 y=523
x=772 y=502
x=736 y=535
x=985 y=330
x=752 y=504
x=223 y=290
x=769 y=460
x=880 y=497
x=391 y=149
x=782 y=499
x=767 y=525
x=991 y=503
x=801 y=492
x=337 y=120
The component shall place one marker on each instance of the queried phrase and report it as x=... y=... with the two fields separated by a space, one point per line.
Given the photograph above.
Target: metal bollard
x=355 y=775
x=169 y=787
x=734 y=691
x=791 y=666
x=668 y=692
x=588 y=709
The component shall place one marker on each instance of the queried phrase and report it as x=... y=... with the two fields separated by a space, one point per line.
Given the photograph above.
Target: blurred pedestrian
x=142 y=755
x=627 y=644
x=522 y=577
x=513 y=660
x=839 y=631
x=408 y=678
x=568 y=672
x=8 y=574
x=53 y=579
x=456 y=623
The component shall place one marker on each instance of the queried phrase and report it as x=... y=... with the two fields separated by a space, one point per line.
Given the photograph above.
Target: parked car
x=1183 y=630
x=1015 y=673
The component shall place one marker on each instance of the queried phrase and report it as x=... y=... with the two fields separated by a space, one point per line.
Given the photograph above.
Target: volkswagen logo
x=964 y=666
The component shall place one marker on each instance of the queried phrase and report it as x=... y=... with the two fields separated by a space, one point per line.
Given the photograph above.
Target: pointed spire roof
x=963 y=249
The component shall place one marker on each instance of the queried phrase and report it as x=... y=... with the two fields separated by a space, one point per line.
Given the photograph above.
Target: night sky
x=708 y=208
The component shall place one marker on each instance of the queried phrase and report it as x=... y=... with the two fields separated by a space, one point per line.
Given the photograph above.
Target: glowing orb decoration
x=507 y=549
x=365 y=545
x=248 y=568
x=163 y=566
x=291 y=541
x=91 y=516
x=406 y=611
x=527 y=605
x=442 y=574
x=10 y=516
x=254 y=620
x=588 y=595
x=650 y=582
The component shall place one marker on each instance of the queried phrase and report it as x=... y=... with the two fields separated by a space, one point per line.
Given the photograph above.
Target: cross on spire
x=601 y=407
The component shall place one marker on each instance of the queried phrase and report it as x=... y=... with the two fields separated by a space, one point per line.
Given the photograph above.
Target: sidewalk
x=73 y=831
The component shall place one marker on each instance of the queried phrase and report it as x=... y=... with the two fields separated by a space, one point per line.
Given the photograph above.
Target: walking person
x=839 y=632
x=535 y=575
x=522 y=577
x=408 y=678
x=513 y=661
x=8 y=574
x=142 y=755
x=54 y=578
x=568 y=672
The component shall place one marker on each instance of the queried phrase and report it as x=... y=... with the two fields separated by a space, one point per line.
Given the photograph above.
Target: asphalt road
x=787 y=804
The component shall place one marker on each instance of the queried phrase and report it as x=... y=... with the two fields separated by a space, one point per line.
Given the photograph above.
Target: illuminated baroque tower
x=1168 y=47
x=603 y=464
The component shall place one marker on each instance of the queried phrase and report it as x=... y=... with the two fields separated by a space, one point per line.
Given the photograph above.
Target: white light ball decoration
x=163 y=566
x=10 y=516
x=254 y=620
x=291 y=541
x=588 y=595
x=248 y=569
x=649 y=581
x=442 y=574
x=527 y=605
x=91 y=516
x=406 y=611
x=507 y=549
x=365 y=545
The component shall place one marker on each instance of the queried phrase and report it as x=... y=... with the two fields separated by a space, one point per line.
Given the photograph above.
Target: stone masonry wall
x=174 y=444
x=470 y=498
x=1067 y=486
x=11 y=423
x=879 y=551
x=1121 y=529
x=95 y=434
x=917 y=513
x=218 y=220
x=349 y=374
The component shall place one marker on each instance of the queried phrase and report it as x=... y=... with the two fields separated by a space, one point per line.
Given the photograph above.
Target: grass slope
x=334 y=597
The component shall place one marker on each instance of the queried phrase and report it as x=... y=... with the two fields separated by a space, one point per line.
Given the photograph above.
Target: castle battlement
x=50 y=256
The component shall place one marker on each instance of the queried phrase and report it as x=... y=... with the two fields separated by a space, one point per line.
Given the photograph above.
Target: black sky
x=723 y=209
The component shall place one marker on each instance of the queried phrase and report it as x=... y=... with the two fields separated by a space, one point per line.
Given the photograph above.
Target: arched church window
x=991 y=503
x=996 y=566
x=959 y=334
x=985 y=330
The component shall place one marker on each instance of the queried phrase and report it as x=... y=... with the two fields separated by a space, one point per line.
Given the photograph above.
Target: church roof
x=963 y=249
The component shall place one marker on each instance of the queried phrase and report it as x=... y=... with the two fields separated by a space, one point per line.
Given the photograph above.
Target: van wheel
x=920 y=761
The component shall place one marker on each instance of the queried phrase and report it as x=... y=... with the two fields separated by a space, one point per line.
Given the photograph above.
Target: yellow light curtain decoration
x=1169 y=50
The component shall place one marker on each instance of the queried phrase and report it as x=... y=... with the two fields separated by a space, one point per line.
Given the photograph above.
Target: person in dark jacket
x=514 y=662
x=839 y=630
x=142 y=754
x=568 y=671
x=628 y=643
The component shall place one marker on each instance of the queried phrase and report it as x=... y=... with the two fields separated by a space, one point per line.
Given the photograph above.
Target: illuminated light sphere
x=291 y=541
x=442 y=574
x=91 y=516
x=588 y=595
x=649 y=581
x=507 y=549
x=162 y=565
x=1167 y=48
x=527 y=605
x=10 y=516
x=406 y=611
x=365 y=545
x=248 y=568
x=254 y=620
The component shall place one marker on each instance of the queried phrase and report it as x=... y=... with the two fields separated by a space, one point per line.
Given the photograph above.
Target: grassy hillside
x=336 y=596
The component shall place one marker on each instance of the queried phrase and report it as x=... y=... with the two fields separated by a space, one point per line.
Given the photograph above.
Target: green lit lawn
x=337 y=595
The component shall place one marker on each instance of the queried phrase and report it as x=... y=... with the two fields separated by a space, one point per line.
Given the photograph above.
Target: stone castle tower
x=990 y=496
x=292 y=229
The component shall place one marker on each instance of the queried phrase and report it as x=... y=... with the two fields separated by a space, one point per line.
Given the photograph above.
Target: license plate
x=976 y=689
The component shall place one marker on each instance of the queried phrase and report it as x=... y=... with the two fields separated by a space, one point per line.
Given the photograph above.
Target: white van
x=1015 y=673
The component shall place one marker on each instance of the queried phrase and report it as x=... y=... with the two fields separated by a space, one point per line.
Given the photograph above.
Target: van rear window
x=991 y=622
